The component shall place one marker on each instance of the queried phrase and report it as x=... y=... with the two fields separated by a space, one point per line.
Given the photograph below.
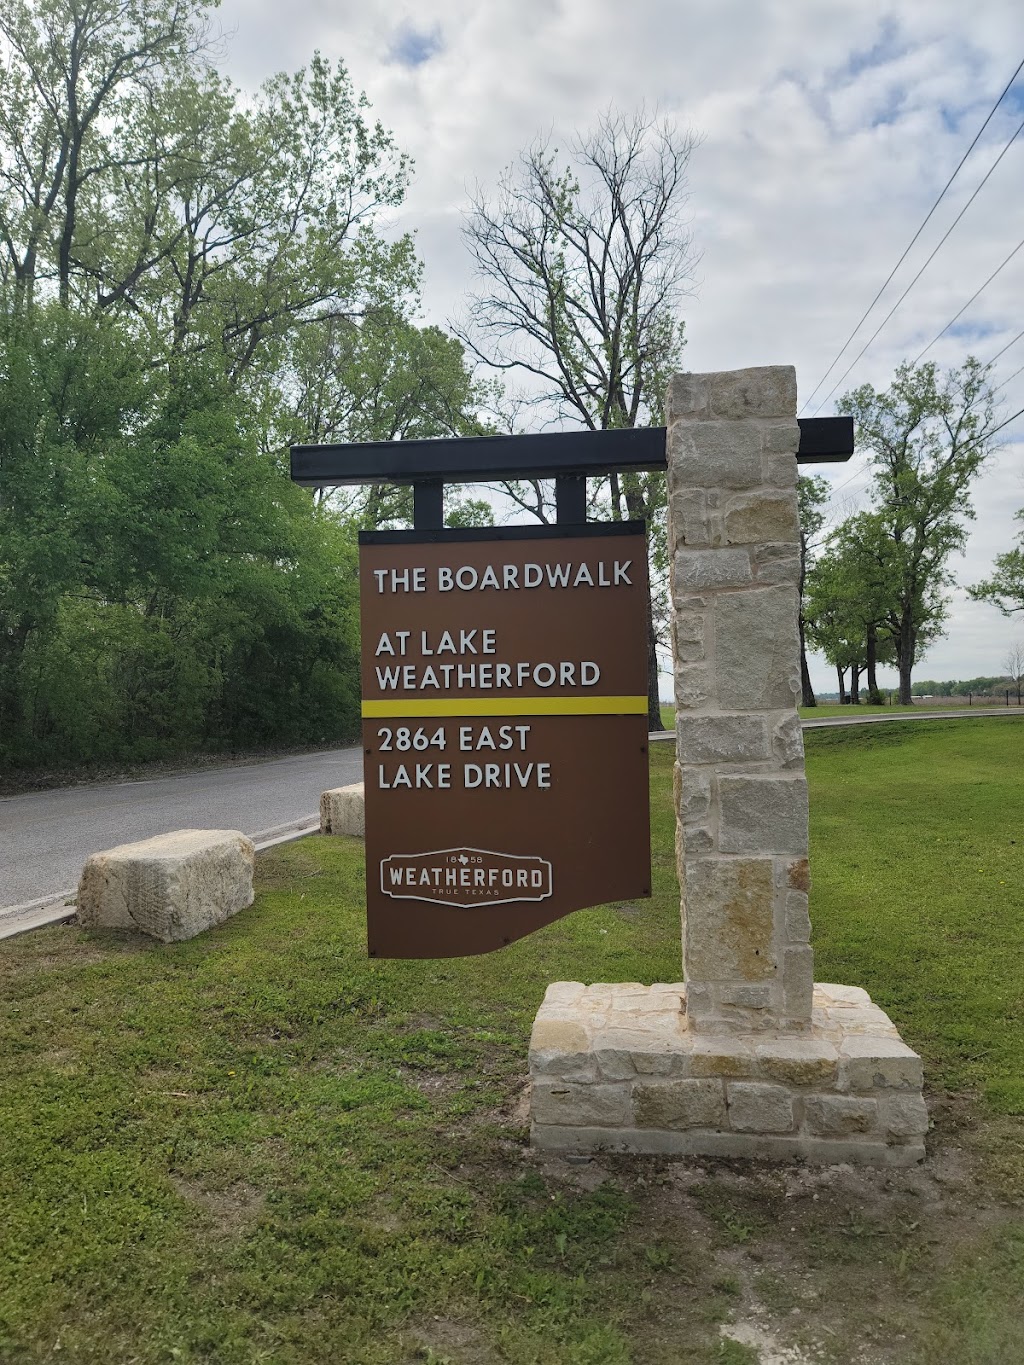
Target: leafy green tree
x=813 y=493
x=162 y=586
x=76 y=73
x=1005 y=588
x=583 y=268
x=380 y=378
x=927 y=436
x=834 y=624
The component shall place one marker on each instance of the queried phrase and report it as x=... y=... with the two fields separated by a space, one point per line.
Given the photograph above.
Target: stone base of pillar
x=617 y=1068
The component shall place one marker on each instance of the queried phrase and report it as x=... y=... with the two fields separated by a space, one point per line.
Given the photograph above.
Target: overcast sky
x=828 y=126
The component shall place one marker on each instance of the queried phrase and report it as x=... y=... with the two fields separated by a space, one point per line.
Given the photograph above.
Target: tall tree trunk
x=874 y=696
x=653 y=696
x=637 y=510
x=905 y=651
x=841 y=674
x=855 y=684
x=807 y=697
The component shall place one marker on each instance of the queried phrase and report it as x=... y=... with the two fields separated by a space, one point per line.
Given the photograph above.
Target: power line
x=1013 y=342
x=917 y=234
x=967 y=305
x=1006 y=381
x=985 y=435
x=967 y=444
x=942 y=241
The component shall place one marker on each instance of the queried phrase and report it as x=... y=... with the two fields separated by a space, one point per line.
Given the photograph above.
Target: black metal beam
x=825 y=440
x=570 y=499
x=428 y=505
x=544 y=455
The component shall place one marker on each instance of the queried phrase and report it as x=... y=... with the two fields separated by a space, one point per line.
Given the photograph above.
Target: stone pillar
x=734 y=545
x=748 y=1057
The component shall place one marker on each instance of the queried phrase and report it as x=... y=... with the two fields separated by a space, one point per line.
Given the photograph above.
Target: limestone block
x=782 y=438
x=699 y=570
x=561 y=1047
x=746 y=997
x=826 y=993
x=343 y=811
x=563 y=992
x=798 y=919
x=752 y=518
x=679 y=1104
x=713 y=455
x=687 y=396
x=839 y=1115
x=580 y=1067
x=746 y=1146
x=798 y=982
x=780 y=468
x=621 y=1054
x=797 y=876
x=757 y=659
x=694 y=793
x=566 y=1034
x=772 y=564
x=905 y=1117
x=171 y=887
x=722 y=739
x=728 y=913
x=698 y=839
x=873 y=1022
x=553 y=1101
x=788 y=742
x=798 y=1061
x=688 y=634
x=694 y=685
x=878 y=1063
x=756 y=1108
x=688 y=518
x=761 y=391
x=721 y=1055
x=763 y=813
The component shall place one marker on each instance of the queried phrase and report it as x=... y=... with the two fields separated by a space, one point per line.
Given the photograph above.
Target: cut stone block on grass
x=171 y=887
x=343 y=811
x=622 y=1068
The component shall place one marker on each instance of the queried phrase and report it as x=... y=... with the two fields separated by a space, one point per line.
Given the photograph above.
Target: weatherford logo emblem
x=465 y=877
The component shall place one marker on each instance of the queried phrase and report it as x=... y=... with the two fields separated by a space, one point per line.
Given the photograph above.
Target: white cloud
x=828 y=131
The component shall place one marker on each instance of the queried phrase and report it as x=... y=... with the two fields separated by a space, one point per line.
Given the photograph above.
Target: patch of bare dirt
x=443 y=1341
x=227 y=1210
x=812 y=1265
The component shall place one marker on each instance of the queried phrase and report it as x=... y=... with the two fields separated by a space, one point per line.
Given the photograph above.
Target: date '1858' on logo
x=465 y=877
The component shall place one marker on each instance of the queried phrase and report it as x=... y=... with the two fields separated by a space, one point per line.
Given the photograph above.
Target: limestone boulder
x=343 y=811
x=171 y=887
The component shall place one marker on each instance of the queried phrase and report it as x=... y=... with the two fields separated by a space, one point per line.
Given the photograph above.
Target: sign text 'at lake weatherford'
x=504 y=676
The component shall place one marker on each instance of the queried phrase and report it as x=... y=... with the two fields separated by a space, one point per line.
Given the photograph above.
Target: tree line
x=875 y=586
x=193 y=279
x=190 y=281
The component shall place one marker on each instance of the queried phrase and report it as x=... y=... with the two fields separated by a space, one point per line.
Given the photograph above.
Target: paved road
x=45 y=837
x=960 y=713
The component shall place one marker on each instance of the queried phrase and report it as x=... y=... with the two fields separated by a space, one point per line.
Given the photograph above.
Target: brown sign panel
x=504 y=677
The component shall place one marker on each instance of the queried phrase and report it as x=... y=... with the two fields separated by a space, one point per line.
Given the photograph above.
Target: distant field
x=826 y=710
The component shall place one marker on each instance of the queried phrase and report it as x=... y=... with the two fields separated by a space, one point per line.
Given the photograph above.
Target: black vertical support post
x=428 y=505
x=571 y=499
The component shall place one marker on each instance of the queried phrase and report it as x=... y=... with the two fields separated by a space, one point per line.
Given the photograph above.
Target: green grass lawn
x=261 y=1146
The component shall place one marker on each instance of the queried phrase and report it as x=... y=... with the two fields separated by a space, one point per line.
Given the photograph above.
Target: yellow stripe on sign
x=510 y=706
